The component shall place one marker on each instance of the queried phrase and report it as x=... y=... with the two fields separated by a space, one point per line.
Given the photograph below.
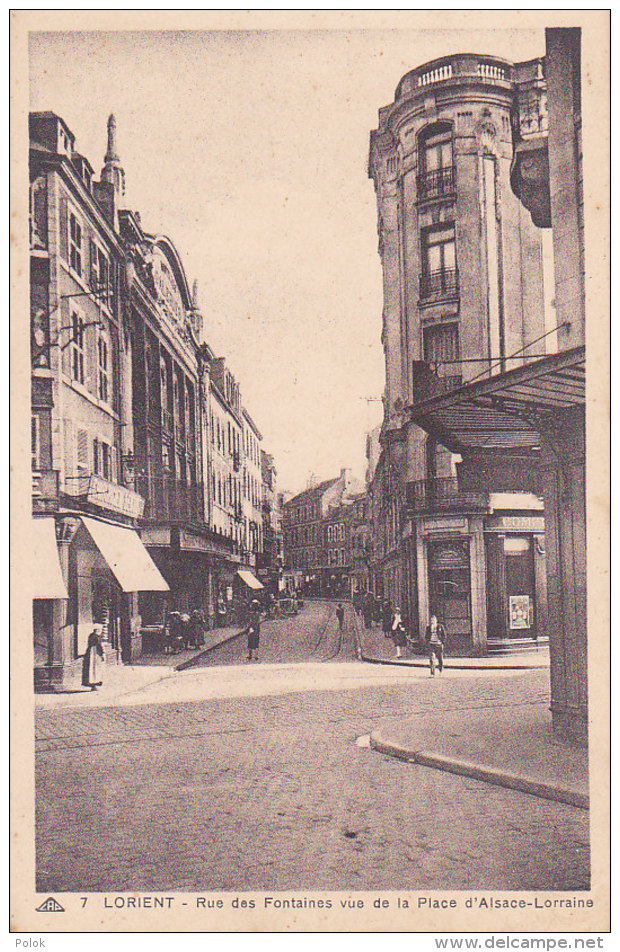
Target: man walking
x=340 y=615
x=253 y=631
x=435 y=636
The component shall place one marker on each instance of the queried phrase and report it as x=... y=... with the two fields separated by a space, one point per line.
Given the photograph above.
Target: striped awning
x=504 y=412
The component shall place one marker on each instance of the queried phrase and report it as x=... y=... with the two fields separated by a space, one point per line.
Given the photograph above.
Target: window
x=165 y=458
x=102 y=368
x=77 y=347
x=175 y=397
x=99 y=272
x=439 y=277
x=436 y=174
x=75 y=244
x=441 y=350
x=163 y=376
x=102 y=459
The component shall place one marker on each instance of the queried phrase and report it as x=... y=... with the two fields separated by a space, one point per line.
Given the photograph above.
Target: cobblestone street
x=274 y=792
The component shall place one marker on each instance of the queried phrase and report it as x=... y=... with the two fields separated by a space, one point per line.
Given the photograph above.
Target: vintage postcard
x=310 y=471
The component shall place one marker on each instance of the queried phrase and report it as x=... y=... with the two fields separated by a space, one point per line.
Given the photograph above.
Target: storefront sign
x=520 y=611
x=116 y=498
x=519 y=523
x=449 y=557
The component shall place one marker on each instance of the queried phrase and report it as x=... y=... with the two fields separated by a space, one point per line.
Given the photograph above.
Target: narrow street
x=312 y=635
x=258 y=780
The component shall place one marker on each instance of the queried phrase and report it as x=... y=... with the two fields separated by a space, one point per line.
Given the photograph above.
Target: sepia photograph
x=309 y=558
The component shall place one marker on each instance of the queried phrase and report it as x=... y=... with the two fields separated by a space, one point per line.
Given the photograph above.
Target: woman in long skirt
x=92 y=666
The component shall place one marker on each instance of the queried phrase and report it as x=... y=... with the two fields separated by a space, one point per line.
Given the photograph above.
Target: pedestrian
x=196 y=629
x=253 y=631
x=367 y=610
x=435 y=637
x=340 y=615
x=387 y=617
x=94 y=657
x=399 y=635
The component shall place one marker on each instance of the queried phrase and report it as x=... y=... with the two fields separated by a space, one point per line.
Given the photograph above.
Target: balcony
x=439 y=285
x=45 y=490
x=173 y=501
x=437 y=184
x=100 y=492
x=443 y=495
x=488 y=70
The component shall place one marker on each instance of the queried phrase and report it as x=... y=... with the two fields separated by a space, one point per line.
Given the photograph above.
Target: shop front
x=517 y=589
x=105 y=566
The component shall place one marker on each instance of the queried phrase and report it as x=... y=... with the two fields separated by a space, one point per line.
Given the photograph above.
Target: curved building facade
x=463 y=294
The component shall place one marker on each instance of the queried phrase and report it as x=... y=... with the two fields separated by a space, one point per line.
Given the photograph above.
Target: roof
x=312 y=491
x=503 y=412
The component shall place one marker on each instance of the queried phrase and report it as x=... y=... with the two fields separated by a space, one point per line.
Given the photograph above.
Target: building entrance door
x=520 y=586
x=449 y=586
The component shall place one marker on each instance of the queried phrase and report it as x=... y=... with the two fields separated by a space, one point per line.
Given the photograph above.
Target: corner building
x=463 y=297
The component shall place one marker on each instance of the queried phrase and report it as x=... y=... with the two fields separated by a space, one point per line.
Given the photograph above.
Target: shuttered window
x=82 y=451
x=75 y=243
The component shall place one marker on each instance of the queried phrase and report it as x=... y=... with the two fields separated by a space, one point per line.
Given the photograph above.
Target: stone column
x=478 y=585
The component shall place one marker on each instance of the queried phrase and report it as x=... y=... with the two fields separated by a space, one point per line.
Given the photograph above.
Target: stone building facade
x=463 y=297
x=316 y=535
x=90 y=562
x=138 y=432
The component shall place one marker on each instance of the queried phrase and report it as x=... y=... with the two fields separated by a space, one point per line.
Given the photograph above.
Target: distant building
x=315 y=540
x=271 y=562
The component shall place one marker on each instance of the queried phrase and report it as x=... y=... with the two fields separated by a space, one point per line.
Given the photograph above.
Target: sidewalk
x=375 y=648
x=121 y=679
x=511 y=746
x=184 y=659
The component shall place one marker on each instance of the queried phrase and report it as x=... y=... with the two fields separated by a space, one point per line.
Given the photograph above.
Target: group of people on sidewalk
x=373 y=609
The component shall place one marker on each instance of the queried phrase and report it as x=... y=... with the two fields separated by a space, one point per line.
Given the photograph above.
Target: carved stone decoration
x=486 y=134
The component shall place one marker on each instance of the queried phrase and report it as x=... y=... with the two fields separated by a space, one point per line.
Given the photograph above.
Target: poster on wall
x=520 y=611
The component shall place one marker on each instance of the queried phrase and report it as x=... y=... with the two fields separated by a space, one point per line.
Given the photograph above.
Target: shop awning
x=502 y=412
x=46 y=579
x=126 y=556
x=250 y=580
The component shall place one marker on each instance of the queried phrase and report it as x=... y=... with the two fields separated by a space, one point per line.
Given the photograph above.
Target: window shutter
x=82 y=450
x=63 y=222
x=69 y=450
x=114 y=465
x=92 y=263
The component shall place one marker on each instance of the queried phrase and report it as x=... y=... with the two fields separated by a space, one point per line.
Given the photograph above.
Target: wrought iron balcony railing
x=443 y=493
x=437 y=285
x=436 y=184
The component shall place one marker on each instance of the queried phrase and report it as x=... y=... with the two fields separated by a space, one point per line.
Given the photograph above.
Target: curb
x=191 y=662
x=454 y=667
x=493 y=775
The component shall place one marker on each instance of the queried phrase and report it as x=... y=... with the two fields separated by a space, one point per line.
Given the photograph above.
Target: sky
x=249 y=151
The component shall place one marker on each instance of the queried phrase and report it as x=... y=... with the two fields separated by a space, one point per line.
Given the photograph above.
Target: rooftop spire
x=111 y=155
x=112 y=170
